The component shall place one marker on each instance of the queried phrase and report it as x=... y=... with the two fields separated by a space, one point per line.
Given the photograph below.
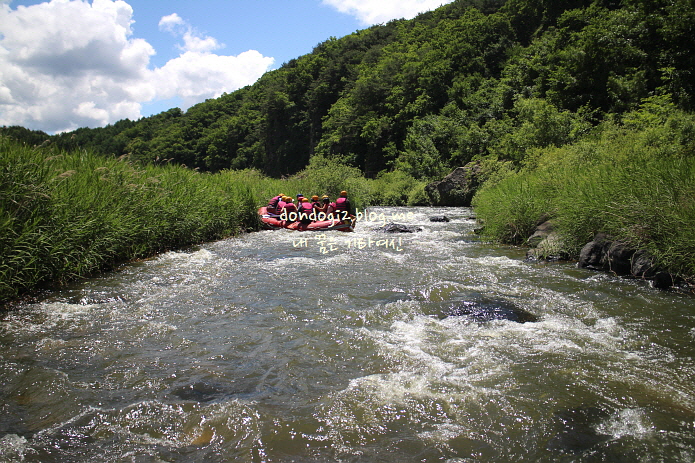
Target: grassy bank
x=634 y=180
x=66 y=215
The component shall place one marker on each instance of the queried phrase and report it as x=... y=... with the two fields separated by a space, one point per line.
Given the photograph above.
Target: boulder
x=484 y=311
x=593 y=254
x=542 y=232
x=551 y=248
x=606 y=254
x=578 y=431
x=547 y=244
x=457 y=188
x=619 y=258
x=642 y=266
x=398 y=228
x=439 y=218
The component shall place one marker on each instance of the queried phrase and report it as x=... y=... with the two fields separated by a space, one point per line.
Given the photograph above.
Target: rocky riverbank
x=603 y=253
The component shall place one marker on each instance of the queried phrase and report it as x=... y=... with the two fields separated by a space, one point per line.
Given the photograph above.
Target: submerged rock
x=578 y=430
x=398 y=228
x=204 y=392
x=489 y=310
x=198 y=392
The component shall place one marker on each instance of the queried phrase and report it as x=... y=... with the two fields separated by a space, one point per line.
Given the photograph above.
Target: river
x=283 y=346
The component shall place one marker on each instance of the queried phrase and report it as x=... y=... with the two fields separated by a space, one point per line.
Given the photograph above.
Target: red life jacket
x=341 y=204
x=289 y=208
x=305 y=212
x=280 y=205
x=306 y=208
x=274 y=202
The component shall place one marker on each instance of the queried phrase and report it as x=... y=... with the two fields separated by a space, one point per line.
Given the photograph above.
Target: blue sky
x=66 y=64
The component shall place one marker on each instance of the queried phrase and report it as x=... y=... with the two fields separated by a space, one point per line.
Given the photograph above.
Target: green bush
x=635 y=182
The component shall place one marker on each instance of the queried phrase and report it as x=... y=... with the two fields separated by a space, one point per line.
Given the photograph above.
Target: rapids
x=282 y=346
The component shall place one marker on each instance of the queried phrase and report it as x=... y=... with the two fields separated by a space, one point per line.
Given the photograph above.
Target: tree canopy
x=472 y=79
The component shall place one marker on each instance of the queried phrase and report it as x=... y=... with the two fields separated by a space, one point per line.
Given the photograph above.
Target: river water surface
x=283 y=346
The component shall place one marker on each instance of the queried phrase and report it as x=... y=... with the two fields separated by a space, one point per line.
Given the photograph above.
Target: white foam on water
x=13 y=447
x=47 y=317
x=632 y=422
x=199 y=256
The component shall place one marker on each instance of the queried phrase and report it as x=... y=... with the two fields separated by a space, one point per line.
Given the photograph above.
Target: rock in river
x=398 y=228
x=489 y=310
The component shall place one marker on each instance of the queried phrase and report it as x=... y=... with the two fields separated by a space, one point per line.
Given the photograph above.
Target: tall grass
x=636 y=183
x=67 y=215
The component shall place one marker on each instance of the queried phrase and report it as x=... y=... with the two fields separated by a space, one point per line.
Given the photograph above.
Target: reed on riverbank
x=634 y=181
x=67 y=215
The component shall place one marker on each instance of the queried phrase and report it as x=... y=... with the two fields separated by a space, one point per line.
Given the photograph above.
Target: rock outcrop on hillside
x=457 y=188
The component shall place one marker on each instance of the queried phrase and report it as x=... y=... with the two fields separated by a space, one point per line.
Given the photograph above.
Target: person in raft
x=322 y=206
x=273 y=204
x=315 y=203
x=288 y=209
x=342 y=208
x=305 y=209
x=281 y=205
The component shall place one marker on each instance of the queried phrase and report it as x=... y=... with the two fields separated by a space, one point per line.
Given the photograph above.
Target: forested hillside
x=474 y=78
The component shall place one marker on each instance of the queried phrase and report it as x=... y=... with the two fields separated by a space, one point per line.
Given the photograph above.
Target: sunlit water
x=284 y=346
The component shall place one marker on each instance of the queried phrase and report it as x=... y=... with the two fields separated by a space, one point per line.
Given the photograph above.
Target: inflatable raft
x=274 y=222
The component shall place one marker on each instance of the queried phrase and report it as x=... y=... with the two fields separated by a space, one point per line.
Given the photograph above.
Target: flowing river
x=283 y=346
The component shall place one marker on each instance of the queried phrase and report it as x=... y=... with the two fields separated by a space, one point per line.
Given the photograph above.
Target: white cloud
x=372 y=12
x=68 y=63
x=192 y=40
x=170 y=22
x=195 y=76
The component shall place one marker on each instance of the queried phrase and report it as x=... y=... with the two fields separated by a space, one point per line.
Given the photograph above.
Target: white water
x=286 y=346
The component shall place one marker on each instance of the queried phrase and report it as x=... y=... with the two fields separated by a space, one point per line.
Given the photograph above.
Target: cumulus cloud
x=372 y=12
x=68 y=63
x=195 y=76
x=192 y=40
x=171 y=22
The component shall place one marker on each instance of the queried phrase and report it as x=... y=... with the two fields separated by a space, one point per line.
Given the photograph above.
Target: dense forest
x=473 y=79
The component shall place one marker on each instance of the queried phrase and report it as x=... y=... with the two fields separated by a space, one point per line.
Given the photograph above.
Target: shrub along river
x=282 y=346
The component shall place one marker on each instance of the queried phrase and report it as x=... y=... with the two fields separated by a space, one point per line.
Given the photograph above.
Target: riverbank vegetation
x=633 y=179
x=65 y=215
